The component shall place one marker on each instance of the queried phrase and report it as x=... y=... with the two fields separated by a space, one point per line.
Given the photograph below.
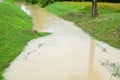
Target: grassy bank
x=13 y=35
x=106 y=27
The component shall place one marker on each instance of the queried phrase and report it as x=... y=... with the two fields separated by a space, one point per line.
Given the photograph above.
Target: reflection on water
x=25 y=9
x=91 y=60
x=64 y=55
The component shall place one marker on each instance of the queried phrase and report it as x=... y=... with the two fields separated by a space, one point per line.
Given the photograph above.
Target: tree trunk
x=94 y=8
x=83 y=0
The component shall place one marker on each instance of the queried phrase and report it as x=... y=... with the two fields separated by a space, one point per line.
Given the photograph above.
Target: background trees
x=44 y=3
x=50 y=1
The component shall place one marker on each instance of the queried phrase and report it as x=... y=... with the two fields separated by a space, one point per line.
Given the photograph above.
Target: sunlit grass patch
x=109 y=7
x=86 y=7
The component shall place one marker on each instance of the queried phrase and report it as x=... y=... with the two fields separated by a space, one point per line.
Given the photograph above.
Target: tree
x=94 y=8
x=44 y=3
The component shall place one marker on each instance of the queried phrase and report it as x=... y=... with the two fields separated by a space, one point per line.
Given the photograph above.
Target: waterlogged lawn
x=105 y=27
x=14 y=24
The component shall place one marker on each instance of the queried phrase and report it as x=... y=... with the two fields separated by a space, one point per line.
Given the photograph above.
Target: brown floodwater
x=67 y=54
x=39 y=15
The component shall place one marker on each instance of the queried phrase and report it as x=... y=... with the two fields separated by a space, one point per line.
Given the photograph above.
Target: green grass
x=14 y=24
x=105 y=27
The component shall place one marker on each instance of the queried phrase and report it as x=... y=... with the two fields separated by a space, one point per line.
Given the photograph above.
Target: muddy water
x=39 y=15
x=63 y=55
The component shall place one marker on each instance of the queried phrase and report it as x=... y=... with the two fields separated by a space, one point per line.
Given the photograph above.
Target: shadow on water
x=92 y=74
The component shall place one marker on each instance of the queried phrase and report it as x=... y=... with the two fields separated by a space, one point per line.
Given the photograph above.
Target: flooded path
x=63 y=55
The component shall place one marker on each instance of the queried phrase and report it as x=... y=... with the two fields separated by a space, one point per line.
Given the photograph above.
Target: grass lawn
x=105 y=27
x=13 y=35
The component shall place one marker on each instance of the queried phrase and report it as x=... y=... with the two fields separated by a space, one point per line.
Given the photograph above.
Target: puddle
x=64 y=55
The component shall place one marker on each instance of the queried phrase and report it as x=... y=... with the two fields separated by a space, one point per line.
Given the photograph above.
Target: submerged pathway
x=63 y=55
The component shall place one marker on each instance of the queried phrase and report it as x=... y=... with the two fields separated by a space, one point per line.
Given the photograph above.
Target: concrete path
x=63 y=55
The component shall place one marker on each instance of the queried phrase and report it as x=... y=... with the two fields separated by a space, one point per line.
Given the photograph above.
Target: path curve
x=63 y=55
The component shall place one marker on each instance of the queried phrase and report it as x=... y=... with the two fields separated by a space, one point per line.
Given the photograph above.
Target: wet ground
x=63 y=55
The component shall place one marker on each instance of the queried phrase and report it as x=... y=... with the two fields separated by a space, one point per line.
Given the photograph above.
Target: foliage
x=42 y=3
x=114 y=68
x=103 y=8
x=117 y=1
x=106 y=27
x=14 y=24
